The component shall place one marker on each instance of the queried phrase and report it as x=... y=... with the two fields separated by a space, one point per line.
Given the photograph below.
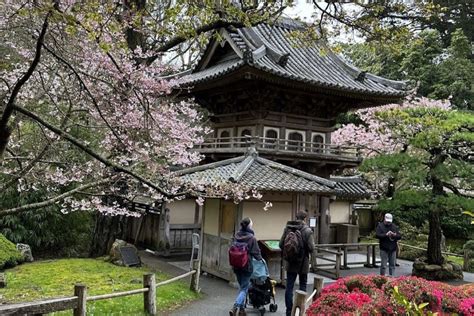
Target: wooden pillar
x=324 y=220
x=149 y=297
x=80 y=290
x=299 y=303
x=195 y=277
x=367 y=262
x=318 y=286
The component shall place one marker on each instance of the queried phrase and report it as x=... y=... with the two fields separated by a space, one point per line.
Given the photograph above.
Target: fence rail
x=275 y=145
x=79 y=301
x=341 y=262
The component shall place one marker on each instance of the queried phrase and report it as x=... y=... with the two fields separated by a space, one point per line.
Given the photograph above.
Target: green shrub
x=9 y=256
x=469 y=247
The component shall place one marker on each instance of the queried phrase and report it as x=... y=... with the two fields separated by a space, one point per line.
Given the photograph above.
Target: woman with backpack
x=241 y=252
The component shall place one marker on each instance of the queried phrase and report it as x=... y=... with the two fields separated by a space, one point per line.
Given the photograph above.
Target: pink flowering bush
x=373 y=295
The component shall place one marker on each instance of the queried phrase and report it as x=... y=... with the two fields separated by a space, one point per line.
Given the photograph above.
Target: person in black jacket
x=245 y=235
x=388 y=235
x=300 y=266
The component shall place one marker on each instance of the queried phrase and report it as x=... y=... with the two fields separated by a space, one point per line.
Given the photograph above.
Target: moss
x=9 y=255
x=54 y=278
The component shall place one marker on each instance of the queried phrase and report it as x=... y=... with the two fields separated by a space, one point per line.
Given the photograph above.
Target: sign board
x=312 y=222
x=129 y=256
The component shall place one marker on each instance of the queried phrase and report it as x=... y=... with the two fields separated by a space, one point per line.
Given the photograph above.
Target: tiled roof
x=351 y=187
x=258 y=173
x=272 y=49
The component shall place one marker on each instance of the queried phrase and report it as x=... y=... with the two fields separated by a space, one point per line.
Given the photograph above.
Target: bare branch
x=34 y=206
x=5 y=131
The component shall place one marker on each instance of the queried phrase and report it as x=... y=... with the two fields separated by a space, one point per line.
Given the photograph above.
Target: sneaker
x=233 y=311
x=242 y=312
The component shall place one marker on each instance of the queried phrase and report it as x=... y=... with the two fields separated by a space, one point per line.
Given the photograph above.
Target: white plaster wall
x=182 y=212
x=211 y=218
x=268 y=224
x=340 y=211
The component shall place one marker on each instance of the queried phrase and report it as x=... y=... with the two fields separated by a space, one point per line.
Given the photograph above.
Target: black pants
x=290 y=284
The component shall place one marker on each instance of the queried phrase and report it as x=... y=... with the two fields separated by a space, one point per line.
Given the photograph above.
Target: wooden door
x=227 y=224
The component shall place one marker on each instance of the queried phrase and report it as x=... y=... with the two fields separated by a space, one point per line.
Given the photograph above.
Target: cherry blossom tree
x=87 y=109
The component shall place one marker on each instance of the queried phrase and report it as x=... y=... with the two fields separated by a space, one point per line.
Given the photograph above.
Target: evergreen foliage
x=9 y=255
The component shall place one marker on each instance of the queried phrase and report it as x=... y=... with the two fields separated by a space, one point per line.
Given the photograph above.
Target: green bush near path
x=9 y=256
x=55 y=278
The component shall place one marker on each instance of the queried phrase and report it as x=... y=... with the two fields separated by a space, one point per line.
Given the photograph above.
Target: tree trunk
x=106 y=230
x=434 y=255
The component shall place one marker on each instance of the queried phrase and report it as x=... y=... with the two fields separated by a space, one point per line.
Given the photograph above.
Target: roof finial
x=252 y=151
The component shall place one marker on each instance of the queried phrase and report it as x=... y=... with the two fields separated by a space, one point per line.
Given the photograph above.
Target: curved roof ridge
x=399 y=85
x=297 y=172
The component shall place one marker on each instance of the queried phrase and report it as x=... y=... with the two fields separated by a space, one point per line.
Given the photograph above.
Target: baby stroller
x=262 y=288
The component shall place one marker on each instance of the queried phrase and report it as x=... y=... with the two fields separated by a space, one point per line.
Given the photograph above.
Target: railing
x=78 y=302
x=275 y=145
x=341 y=262
x=302 y=300
x=181 y=235
x=464 y=256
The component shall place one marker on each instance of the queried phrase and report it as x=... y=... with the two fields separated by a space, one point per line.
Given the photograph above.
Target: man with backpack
x=296 y=244
x=244 y=247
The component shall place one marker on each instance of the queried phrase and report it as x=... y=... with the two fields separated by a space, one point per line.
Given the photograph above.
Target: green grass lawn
x=55 y=278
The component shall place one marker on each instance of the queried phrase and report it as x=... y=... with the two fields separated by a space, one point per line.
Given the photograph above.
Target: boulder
x=25 y=251
x=115 y=256
x=446 y=271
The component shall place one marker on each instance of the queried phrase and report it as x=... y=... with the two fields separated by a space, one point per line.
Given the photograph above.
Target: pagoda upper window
x=317 y=142
x=224 y=137
x=244 y=133
x=271 y=137
x=295 y=140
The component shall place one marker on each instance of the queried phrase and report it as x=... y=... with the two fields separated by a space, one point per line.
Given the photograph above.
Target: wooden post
x=466 y=262
x=338 y=264
x=344 y=249
x=299 y=303
x=318 y=286
x=149 y=297
x=374 y=257
x=80 y=290
x=195 y=277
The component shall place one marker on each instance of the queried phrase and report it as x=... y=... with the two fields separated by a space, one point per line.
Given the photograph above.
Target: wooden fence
x=340 y=261
x=464 y=256
x=302 y=300
x=78 y=302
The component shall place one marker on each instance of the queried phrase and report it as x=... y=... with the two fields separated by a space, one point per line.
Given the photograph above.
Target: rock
x=3 y=280
x=432 y=267
x=114 y=255
x=25 y=251
x=447 y=271
x=447 y=267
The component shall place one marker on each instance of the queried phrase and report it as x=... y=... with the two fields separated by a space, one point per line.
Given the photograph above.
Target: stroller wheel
x=262 y=311
x=273 y=308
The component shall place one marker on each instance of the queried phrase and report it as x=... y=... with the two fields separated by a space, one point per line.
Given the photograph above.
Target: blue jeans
x=389 y=256
x=243 y=277
x=290 y=284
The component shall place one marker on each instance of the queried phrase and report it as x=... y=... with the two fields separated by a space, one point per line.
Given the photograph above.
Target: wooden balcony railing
x=278 y=146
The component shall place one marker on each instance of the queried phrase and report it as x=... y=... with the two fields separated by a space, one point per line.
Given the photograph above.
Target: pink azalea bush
x=373 y=295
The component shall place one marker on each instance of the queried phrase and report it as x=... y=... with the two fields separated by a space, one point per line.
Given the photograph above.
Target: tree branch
x=5 y=131
x=34 y=206
x=85 y=148
x=454 y=189
x=180 y=38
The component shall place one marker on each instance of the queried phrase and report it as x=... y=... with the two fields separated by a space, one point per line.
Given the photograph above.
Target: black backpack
x=293 y=246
